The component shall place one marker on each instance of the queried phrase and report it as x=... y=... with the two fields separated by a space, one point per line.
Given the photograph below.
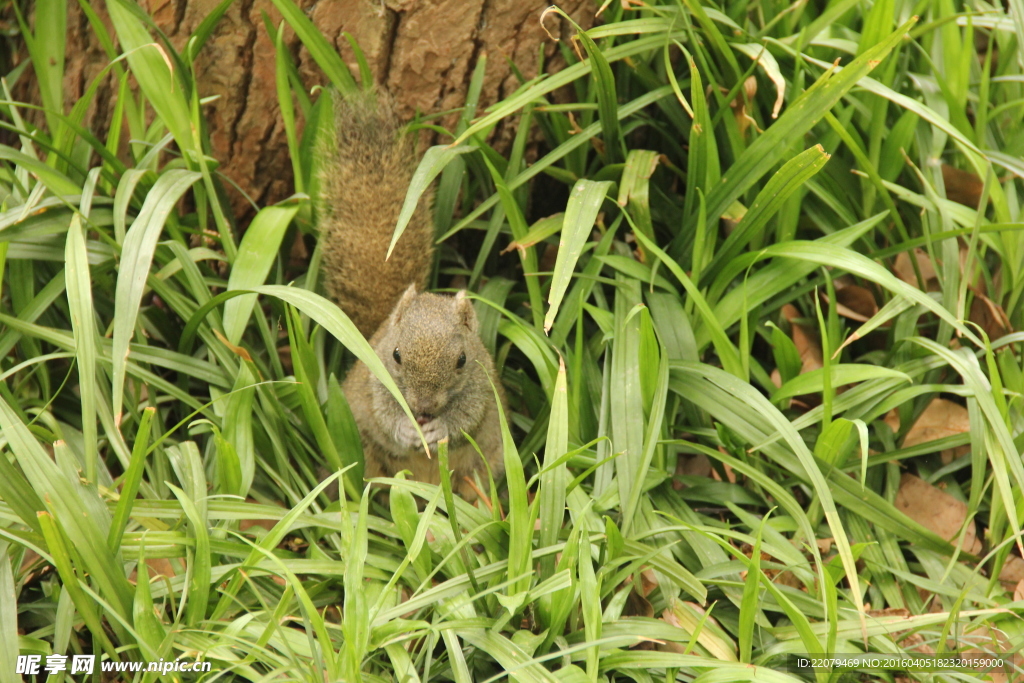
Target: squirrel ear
x=403 y=304
x=464 y=311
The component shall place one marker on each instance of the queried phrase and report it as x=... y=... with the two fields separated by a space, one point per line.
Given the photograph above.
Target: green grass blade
x=334 y=320
x=136 y=260
x=153 y=71
x=132 y=479
x=83 y=322
x=199 y=567
x=323 y=53
x=8 y=618
x=554 y=478
x=57 y=542
x=78 y=508
x=256 y=255
x=585 y=202
x=433 y=162
x=793 y=174
x=799 y=117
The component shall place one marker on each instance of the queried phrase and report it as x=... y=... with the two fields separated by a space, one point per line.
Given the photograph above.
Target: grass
x=730 y=170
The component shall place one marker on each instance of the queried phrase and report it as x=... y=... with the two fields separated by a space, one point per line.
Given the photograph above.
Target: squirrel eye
x=397 y=356
x=462 y=360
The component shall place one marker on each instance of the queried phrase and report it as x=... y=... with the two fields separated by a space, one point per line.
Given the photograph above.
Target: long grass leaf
x=799 y=117
x=323 y=53
x=585 y=201
x=432 y=163
x=83 y=322
x=136 y=261
x=255 y=256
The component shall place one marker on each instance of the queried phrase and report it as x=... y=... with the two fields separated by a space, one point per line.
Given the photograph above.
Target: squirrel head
x=430 y=347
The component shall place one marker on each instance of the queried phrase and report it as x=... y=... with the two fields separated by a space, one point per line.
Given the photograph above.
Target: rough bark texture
x=422 y=51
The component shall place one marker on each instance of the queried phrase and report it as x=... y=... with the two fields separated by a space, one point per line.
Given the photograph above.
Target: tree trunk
x=422 y=51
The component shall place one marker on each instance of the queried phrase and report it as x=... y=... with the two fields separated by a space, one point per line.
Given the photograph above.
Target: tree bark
x=422 y=51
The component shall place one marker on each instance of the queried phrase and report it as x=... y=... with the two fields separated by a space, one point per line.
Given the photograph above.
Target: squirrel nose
x=423 y=418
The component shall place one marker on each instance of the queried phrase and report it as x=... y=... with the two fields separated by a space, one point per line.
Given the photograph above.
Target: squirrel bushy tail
x=364 y=177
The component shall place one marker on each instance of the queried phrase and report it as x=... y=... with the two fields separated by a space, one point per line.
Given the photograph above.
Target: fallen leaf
x=1018 y=593
x=1013 y=570
x=805 y=338
x=298 y=255
x=157 y=566
x=913 y=642
x=940 y=419
x=268 y=524
x=904 y=269
x=637 y=606
x=982 y=643
x=730 y=475
x=648 y=581
x=990 y=316
x=686 y=616
x=962 y=187
x=855 y=302
x=936 y=510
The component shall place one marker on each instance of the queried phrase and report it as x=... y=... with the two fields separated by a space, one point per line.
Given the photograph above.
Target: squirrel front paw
x=433 y=431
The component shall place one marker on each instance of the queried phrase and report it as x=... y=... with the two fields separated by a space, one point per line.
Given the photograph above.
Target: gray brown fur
x=430 y=332
x=364 y=177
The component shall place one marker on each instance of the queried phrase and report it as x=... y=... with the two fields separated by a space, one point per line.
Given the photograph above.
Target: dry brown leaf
x=962 y=187
x=157 y=566
x=904 y=268
x=648 y=581
x=855 y=302
x=268 y=524
x=982 y=643
x=730 y=475
x=940 y=419
x=669 y=617
x=788 y=578
x=824 y=545
x=914 y=642
x=936 y=510
x=990 y=316
x=1013 y=570
x=805 y=339
x=637 y=606
x=892 y=418
x=1018 y=593
x=30 y=558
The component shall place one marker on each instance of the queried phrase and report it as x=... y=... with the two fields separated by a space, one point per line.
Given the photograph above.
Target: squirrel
x=428 y=342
